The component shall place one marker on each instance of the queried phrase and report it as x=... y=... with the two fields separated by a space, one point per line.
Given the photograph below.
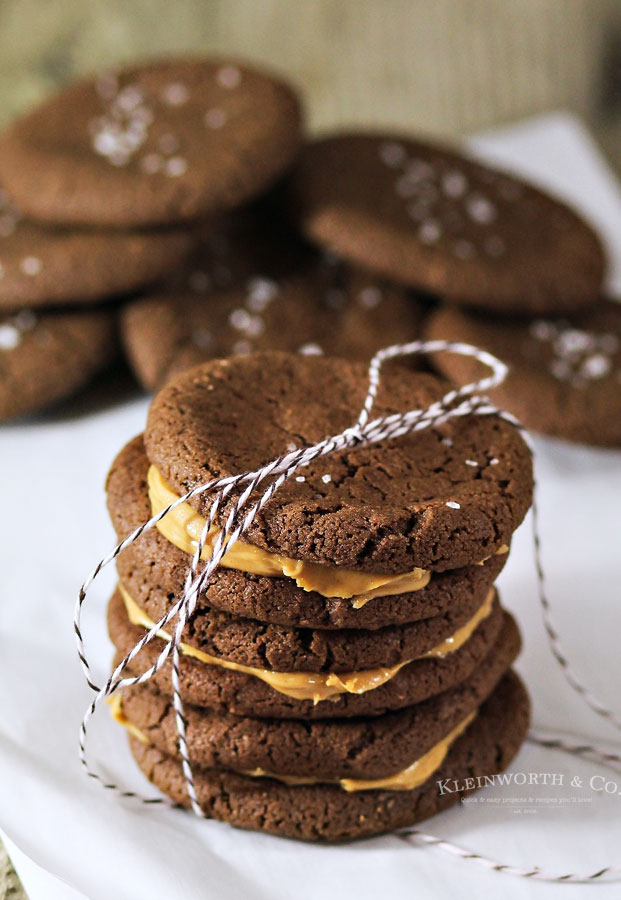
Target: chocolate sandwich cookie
x=161 y=143
x=564 y=374
x=434 y=500
x=328 y=749
x=436 y=220
x=319 y=307
x=246 y=693
x=154 y=570
x=43 y=266
x=46 y=357
x=328 y=812
x=278 y=648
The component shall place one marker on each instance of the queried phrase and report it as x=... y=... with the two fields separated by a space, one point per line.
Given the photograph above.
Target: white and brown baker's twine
x=467 y=400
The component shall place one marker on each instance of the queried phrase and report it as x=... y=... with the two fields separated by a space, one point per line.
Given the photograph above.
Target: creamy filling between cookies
x=183 y=527
x=318 y=686
x=406 y=780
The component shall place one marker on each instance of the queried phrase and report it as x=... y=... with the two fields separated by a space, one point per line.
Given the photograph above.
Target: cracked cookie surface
x=437 y=499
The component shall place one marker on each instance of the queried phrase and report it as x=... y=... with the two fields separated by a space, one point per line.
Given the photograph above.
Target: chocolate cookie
x=439 y=221
x=46 y=357
x=43 y=266
x=224 y=690
x=164 y=142
x=318 y=307
x=437 y=499
x=278 y=648
x=154 y=570
x=329 y=813
x=328 y=749
x=564 y=374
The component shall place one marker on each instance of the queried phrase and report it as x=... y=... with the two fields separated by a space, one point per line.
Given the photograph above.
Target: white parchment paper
x=54 y=527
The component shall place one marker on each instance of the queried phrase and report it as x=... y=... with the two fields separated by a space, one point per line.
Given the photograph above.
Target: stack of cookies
x=101 y=188
x=347 y=670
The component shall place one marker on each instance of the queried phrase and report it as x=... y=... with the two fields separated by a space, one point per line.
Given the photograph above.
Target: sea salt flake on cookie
x=176 y=166
x=242 y=348
x=31 y=265
x=370 y=297
x=480 y=209
x=454 y=184
x=229 y=77
x=573 y=341
x=392 y=154
x=10 y=336
x=310 y=350
x=261 y=291
x=151 y=163
x=430 y=232
x=596 y=366
x=239 y=319
x=175 y=94
x=215 y=118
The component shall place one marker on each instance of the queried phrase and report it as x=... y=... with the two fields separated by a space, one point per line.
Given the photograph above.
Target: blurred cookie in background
x=42 y=266
x=260 y=289
x=45 y=357
x=155 y=144
x=433 y=219
x=564 y=373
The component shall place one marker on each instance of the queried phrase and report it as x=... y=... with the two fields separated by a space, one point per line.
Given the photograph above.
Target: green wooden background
x=444 y=66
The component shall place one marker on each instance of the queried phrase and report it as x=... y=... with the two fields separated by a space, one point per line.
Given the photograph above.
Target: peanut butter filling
x=405 y=780
x=317 y=686
x=183 y=526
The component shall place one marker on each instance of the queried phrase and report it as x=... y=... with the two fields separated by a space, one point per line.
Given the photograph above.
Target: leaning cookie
x=564 y=374
x=436 y=220
x=261 y=290
x=157 y=144
x=45 y=358
x=44 y=267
